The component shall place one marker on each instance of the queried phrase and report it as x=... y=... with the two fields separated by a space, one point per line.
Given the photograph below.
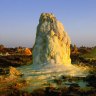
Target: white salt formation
x=51 y=55
x=52 y=44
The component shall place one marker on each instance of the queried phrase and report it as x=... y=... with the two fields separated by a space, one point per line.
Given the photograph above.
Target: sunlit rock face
x=52 y=44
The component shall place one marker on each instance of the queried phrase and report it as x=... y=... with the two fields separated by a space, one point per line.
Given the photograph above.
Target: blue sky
x=19 y=19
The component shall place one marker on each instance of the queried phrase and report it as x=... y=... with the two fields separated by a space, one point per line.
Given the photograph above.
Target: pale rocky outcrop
x=52 y=44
